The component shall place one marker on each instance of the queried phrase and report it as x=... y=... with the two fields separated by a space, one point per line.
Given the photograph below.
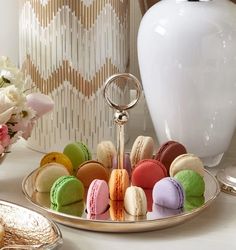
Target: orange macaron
x=118 y=183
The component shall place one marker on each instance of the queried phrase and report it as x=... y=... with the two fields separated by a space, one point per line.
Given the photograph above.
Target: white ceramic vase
x=187 y=58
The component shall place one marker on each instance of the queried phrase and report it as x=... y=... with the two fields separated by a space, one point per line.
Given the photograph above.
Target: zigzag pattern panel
x=68 y=48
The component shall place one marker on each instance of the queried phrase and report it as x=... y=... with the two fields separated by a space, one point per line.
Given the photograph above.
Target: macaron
x=135 y=201
x=58 y=158
x=97 y=197
x=192 y=182
x=75 y=209
x=117 y=212
x=187 y=161
x=127 y=163
x=66 y=190
x=169 y=193
x=106 y=151
x=48 y=174
x=42 y=199
x=147 y=173
x=91 y=170
x=168 y=152
x=118 y=183
x=142 y=148
x=77 y=152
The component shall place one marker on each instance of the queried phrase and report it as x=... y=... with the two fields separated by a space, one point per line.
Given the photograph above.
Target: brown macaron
x=91 y=170
x=168 y=152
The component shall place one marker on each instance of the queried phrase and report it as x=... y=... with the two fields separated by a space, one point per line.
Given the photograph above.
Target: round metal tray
x=27 y=229
x=116 y=219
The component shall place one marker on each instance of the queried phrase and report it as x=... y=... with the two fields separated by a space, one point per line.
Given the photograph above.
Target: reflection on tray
x=159 y=212
x=76 y=209
x=116 y=211
x=116 y=219
x=193 y=203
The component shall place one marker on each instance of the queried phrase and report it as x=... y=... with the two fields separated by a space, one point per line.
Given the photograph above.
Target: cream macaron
x=135 y=201
x=186 y=162
x=106 y=151
x=142 y=148
x=48 y=174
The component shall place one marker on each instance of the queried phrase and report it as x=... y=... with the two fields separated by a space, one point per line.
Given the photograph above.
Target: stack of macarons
x=172 y=177
x=185 y=187
x=175 y=177
x=75 y=160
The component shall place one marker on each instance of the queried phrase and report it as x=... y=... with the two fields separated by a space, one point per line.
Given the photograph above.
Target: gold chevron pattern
x=68 y=48
x=66 y=73
x=86 y=14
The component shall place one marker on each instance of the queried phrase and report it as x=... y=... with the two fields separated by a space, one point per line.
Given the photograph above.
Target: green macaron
x=193 y=203
x=77 y=152
x=66 y=190
x=192 y=182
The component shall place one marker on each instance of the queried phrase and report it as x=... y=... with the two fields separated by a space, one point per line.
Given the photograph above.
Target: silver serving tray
x=27 y=229
x=125 y=223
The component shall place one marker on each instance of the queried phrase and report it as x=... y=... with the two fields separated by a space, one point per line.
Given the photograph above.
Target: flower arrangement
x=18 y=111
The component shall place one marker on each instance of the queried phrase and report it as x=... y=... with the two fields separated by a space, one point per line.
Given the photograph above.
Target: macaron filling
x=168 y=193
x=180 y=191
x=97 y=197
x=162 y=149
x=87 y=153
x=57 y=199
x=138 y=151
x=92 y=202
x=57 y=185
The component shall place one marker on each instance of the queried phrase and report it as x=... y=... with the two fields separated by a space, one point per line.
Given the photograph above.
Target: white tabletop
x=214 y=228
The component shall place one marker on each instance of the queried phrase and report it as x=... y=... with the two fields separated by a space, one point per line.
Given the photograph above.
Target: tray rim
x=121 y=226
x=57 y=242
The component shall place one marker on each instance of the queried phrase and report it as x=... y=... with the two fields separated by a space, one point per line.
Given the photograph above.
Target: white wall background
x=9 y=42
x=135 y=17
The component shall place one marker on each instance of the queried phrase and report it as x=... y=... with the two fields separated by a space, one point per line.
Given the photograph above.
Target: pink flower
x=5 y=141
x=3 y=131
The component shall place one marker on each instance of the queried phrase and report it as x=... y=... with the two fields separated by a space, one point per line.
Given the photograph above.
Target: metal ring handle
x=114 y=77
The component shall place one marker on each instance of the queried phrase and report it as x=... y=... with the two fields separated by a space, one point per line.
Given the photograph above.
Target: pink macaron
x=97 y=197
x=147 y=172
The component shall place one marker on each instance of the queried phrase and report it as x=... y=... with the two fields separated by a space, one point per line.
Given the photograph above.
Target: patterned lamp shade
x=68 y=48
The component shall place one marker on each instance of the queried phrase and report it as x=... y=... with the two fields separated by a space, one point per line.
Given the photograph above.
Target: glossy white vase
x=187 y=58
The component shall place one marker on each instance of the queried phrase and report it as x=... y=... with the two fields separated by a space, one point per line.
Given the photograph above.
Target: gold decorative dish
x=27 y=229
x=115 y=219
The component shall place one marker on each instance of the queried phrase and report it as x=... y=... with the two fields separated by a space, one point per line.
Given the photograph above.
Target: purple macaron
x=169 y=193
x=127 y=163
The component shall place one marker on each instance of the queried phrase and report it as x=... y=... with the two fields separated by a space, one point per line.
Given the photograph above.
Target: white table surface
x=214 y=228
